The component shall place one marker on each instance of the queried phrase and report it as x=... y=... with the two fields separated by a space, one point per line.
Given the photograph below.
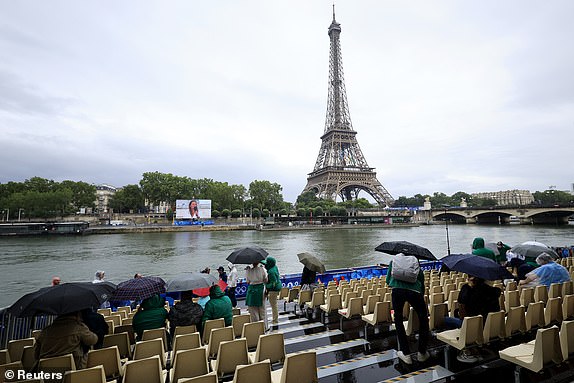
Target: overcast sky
x=444 y=95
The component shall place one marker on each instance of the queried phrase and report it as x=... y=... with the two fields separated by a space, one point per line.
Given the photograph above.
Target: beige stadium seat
x=511 y=299
x=555 y=290
x=116 y=318
x=217 y=336
x=494 y=327
x=298 y=368
x=257 y=372
x=146 y=370
x=283 y=293
x=94 y=374
x=4 y=356
x=128 y=329
x=230 y=355
x=156 y=333
x=28 y=358
x=354 y=310
x=412 y=324
x=251 y=332
x=182 y=330
x=537 y=354
x=210 y=325
x=122 y=341
x=317 y=300
x=380 y=316
x=372 y=300
x=438 y=312
x=567 y=339
x=470 y=333
x=62 y=363
x=541 y=293
x=236 y=311
x=515 y=321
x=511 y=286
x=347 y=296
x=303 y=297
x=270 y=347
x=526 y=296
x=567 y=288
x=16 y=347
x=148 y=348
x=568 y=307
x=186 y=342
x=553 y=311
x=105 y=312
x=333 y=304
x=535 y=316
x=207 y=378
x=293 y=294
x=109 y=359
x=237 y=323
x=189 y=364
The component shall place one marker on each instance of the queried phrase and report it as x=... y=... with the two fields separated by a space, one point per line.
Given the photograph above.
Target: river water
x=27 y=264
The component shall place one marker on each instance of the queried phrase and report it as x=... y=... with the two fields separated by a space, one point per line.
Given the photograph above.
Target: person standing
x=222 y=274
x=273 y=286
x=414 y=294
x=256 y=276
x=232 y=283
x=308 y=279
x=502 y=249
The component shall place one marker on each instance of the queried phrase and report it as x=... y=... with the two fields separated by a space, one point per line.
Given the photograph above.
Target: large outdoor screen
x=195 y=209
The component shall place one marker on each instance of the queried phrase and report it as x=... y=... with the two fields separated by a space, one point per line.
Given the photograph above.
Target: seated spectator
x=66 y=335
x=97 y=324
x=151 y=314
x=549 y=272
x=185 y=313
x=218 y=306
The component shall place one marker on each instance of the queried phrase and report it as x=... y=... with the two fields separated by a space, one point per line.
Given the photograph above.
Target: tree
x=83 y=194
x=128 y=199
x=265 y=194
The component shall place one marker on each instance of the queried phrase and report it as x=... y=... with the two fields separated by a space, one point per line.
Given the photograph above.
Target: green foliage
x=318 y=211
x=236 y=213
x=553 y=197
x=301 y=212
x=265 y=213
x=266 y=195
x=128 y=199
x=225 y=213
x=256 y=213
x=215 y=213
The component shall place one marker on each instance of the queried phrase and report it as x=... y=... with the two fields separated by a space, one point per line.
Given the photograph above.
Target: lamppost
x=445 y=206
x=7 y=215
x=19 y=213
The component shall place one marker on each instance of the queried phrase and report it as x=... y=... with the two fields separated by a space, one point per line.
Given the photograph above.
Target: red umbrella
x=204 y=291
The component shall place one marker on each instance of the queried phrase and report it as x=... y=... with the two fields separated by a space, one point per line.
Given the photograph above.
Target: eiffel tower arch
x=341 y=168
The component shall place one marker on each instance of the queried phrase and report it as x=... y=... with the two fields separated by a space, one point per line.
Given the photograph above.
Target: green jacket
x=150 y=315
x=273 y=279
x=502 y=252
x=218 y=306
x=418 y=286
x=479 y=249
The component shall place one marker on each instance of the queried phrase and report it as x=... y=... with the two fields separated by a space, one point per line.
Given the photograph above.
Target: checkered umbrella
x=139 y=288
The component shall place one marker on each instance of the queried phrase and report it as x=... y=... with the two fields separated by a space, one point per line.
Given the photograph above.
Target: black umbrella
x=191 y=281
x=311 y=262
x=477 y=266
x=247 y=255
x=62 y=299
x=407 y=248
x=531 y=249
x=139 y=288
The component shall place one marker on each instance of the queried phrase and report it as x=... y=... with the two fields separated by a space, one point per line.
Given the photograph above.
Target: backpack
x=405 y=268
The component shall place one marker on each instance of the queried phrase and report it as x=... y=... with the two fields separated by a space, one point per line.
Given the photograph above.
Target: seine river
x=27 y=264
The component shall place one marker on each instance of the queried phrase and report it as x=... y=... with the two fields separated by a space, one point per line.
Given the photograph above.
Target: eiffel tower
x=341 y=168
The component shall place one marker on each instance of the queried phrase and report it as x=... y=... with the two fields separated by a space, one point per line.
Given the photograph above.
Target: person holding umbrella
x=184 y=313
x=273 y=286
x=66 y=335
x=232 y=283
x=404 y=290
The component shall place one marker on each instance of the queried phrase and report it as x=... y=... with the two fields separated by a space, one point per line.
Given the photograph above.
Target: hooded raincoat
x=479 y=249
x=150 y=315
x=273 y=279
x=218 y=306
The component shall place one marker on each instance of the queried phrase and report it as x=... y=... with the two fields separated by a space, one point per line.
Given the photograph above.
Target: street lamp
x=445 y=206
x=19 y=213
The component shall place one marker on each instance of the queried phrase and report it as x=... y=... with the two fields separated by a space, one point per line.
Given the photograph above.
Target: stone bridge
x=524 y=215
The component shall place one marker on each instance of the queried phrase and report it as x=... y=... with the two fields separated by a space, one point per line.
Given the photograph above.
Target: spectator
x=256 y=276
x=138 y=275
x=232 y=283
x=97 y=324
x=479 y=249
x=219 y=306
x=100 y=274
x=475 y=298
x=151 y=314
x=184 y=313
x=414 y=294
x=56 y=281
x=273 y=286
x=502 y=249
x=66 y=335
x=222 y=274
x=308 y=279
x=549 y=272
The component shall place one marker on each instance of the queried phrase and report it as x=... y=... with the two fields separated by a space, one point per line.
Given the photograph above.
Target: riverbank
x=200 y=228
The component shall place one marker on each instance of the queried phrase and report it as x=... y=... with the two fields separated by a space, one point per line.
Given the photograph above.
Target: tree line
x=42 y=198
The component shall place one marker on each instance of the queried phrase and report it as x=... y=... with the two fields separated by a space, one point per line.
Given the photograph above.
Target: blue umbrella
x=477 y=266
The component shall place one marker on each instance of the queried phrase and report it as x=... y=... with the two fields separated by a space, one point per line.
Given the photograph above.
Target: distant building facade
x=508 y=197
x=103 y=195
